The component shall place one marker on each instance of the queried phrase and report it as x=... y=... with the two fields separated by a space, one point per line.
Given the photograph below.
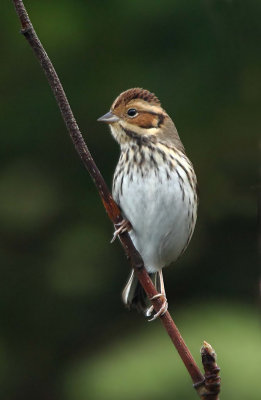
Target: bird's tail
x=134 y=296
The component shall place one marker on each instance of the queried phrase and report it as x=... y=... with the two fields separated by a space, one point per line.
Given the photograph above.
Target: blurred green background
x=64 y=333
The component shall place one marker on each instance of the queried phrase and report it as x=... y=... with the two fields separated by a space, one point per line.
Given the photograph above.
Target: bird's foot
x=123 y=226
x=163 y=309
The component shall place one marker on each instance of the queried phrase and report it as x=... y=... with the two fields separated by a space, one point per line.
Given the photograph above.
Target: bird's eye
x=132 y=112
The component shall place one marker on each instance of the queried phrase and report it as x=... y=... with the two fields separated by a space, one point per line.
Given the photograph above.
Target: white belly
x=162 y=215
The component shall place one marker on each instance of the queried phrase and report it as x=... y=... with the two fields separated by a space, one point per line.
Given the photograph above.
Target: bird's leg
x=162 y=295
x=123 y=226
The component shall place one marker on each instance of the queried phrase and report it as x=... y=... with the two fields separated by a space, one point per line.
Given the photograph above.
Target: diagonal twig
x=204 y=390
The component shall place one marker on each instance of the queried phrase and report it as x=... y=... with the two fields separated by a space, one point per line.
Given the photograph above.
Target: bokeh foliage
x=64 y=333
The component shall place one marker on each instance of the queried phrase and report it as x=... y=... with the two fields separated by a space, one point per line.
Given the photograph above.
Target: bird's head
x=137 y=115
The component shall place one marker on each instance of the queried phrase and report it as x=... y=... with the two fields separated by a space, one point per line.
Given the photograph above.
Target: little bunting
x=154 y=185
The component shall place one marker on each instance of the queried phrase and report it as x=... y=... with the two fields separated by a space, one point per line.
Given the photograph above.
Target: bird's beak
x=109 y=118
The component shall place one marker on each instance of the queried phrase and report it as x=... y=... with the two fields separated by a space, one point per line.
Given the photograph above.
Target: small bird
x=154 y=185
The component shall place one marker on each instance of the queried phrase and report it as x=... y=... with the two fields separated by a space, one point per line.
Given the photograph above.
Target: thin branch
x=108 y=202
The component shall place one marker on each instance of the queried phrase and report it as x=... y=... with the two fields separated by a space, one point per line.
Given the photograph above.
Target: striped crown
x=135 y=93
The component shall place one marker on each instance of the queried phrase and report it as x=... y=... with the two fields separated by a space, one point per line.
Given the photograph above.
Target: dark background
x=64 y=333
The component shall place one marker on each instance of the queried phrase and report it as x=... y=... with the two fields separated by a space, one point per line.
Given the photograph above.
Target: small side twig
x=212 y=378
x=111 y=207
